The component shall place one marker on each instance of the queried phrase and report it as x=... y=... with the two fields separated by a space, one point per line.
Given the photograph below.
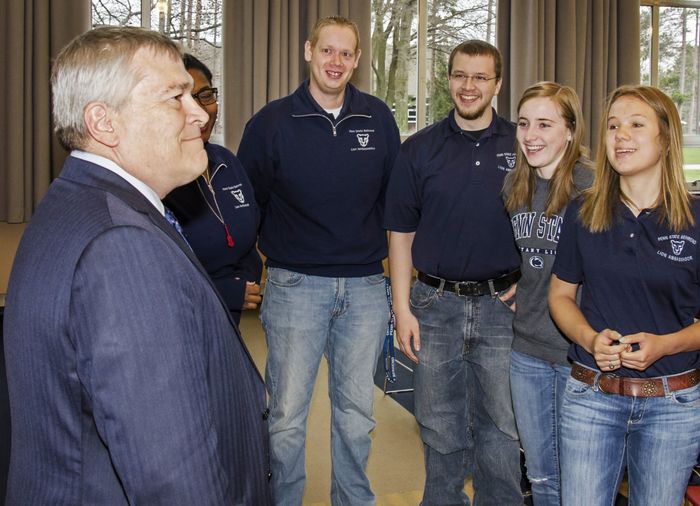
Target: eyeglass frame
x=479 y=79
x=215 y=92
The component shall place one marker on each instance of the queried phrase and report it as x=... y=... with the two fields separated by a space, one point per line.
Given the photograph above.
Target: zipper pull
x=229 y=237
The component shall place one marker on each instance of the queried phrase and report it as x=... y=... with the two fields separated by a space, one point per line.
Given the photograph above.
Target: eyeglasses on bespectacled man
x=477 y=78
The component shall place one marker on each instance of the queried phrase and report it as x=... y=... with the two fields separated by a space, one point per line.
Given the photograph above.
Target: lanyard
x=389 y=350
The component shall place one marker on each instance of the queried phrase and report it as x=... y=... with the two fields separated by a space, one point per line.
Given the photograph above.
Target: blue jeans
x=537 y=387
x=304 y=318
x=462 y=398
x=656 y=438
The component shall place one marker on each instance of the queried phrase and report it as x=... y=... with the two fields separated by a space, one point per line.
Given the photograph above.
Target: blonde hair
x=97 y=67
x=335 y=21
x=674 y=199
x=521 y=182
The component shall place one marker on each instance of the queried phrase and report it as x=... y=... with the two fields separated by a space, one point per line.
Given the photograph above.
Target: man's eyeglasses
x=477 y=78
x=206 y=96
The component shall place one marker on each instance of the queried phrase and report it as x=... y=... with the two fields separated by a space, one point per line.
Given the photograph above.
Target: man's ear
x=308 y=51
x=357 y=58
x=98 y=120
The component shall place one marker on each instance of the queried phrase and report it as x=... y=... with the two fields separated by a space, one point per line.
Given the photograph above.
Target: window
x=196 y=24
x=411 y=44
x=670 y=59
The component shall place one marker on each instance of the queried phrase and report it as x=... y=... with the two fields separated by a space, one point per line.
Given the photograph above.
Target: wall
x=9 y=240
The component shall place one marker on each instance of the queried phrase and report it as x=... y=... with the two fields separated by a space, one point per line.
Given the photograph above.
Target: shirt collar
x=498 y=126
x=353 y=103
x=108 y=164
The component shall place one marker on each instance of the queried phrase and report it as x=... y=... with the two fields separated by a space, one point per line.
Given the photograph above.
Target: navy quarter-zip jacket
x=320 y=182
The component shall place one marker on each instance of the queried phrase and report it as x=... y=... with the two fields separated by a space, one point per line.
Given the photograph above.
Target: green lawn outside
x=691 y=156
x=692 y=175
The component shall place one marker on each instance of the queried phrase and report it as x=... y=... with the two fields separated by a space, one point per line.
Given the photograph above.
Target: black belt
x=471 y=288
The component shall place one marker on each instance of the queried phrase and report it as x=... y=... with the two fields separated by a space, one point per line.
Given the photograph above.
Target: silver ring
x=610 y=365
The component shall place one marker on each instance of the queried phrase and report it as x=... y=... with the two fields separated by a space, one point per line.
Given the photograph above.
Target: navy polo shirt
x=446 y=186
x=636 y=277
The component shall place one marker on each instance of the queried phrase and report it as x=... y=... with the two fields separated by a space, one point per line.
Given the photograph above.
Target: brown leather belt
x=471 y=288
x=634 y=387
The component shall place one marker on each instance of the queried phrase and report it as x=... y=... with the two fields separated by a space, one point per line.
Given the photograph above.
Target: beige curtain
x=263 y=52
x=590 y=45
x=33 y=32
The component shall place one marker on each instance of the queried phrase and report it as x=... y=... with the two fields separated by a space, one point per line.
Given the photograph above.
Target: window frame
x=688 y=140
x=422 y=66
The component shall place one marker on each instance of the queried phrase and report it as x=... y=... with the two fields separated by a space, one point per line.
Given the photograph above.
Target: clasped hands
x=611 y=350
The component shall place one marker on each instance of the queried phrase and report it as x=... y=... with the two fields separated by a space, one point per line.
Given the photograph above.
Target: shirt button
x=477 y=163
x=477 y=144
x=632 y=234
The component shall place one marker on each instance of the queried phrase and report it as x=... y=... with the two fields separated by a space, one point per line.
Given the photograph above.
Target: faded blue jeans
x=656 y=438
x=537 y=387
x=462 y=398
x=304 y=318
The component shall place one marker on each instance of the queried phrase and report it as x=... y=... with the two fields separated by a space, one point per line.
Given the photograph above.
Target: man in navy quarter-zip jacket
x=319 y=161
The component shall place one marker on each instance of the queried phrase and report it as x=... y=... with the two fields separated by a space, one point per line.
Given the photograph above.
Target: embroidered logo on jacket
x=363 y=137
x=238 y=194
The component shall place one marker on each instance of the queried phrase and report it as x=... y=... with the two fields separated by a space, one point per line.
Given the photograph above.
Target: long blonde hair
x=674 y=199
x=521 y=182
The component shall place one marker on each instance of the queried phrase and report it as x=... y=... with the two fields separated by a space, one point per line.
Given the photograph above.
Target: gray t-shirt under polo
x=537 y=237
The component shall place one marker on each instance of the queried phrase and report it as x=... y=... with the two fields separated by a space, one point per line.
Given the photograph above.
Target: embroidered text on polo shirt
x=677 y=244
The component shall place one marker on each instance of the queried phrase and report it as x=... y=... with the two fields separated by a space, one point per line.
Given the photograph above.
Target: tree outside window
x=196 y=24
x=396 y=39
x=670 y=60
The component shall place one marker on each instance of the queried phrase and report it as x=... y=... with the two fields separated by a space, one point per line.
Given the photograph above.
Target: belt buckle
x=607 y=377
x=468 y=288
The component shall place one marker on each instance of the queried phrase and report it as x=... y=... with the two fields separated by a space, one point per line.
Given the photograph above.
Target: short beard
x=473 y=115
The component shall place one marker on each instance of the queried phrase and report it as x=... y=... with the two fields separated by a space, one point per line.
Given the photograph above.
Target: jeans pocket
x=576 y=387
x=689 y=397
x=374 y=279
x=510 y=303
x=283 y=277
x=422 y=296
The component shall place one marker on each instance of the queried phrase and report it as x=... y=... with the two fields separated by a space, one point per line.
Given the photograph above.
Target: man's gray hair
x=97 y=67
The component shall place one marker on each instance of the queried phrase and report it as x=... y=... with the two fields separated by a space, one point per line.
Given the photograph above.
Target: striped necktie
x=176 y=225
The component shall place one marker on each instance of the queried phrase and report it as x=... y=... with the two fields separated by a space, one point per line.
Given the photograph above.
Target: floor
x=395 y=465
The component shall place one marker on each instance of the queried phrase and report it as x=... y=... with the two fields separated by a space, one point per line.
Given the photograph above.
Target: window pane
x=197 y=26
x=394 y=54
x=678 y=62
x=645 y=33
x=451 y=22
x=116 y=12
